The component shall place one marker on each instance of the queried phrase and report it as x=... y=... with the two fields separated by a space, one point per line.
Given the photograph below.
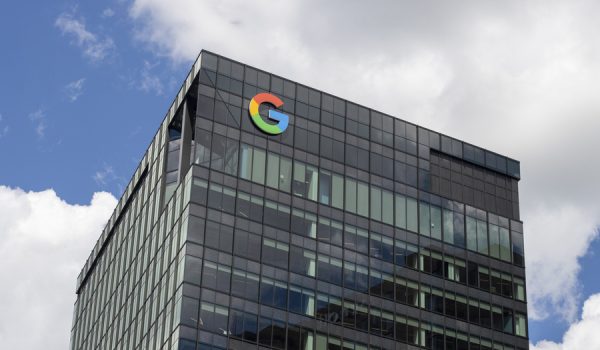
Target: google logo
x=281 y=118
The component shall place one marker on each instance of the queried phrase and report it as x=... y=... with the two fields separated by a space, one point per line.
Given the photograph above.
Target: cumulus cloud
x=74 y=89
x=94 y=47
x=516 y=77
x=40 y=230
x=582 y=334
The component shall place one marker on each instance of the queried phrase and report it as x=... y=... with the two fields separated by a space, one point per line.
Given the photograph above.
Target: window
x=213 y=318
x=382 y=247
x=218 y=236
x=400 y=211
x=482 y=237
x=505 y=244
x=494 y=241
x=382 y=205
x=304 y=223
x=356 y=239
x=455 y=269
x=277 y=215
x=329 y=308
x=250 y=207
x=273 y=293
x=275 y=253
x=302 y=301
x=471 y=234
x=412 y=219
x=519 y=289
x=216 y=276
x=279 y=170
x=329 y=269
x=356 y=277
x=424 y=221
x=507 y=316
x=448 y=226
x=203 y=140
x=517 y=248
x=246 y=244
x=245 y=284
x=520 y=325
x=330 y=231
x=302 y=261
x=305 y=181
x=243 y=325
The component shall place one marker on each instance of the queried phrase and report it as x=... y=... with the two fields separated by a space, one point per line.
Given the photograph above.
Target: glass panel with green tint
x=505 y=244
x=448 y=226
x=375 y=203
x=362 y=199
x=424 y=221
x=494 y=241
x=400 y=211
x=436 y=222
x=471 y=233
x=412 y=217
x=350 y=201
x=337 y=191
x=482 y=237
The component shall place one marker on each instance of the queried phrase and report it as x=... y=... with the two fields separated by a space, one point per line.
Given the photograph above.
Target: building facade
x=339 y=228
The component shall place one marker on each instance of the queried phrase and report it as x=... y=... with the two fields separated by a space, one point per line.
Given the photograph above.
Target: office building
x=268 y=214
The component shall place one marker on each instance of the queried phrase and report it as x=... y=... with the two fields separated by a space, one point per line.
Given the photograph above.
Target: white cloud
x=108 y=12
x=149 y=81
x=553 y=265
x=3 y=129
x=38 y=118
x=74 y=89
x=582 y=334
x=94 y=48
x=44 y=242
x=104 y=176
x=516 y=77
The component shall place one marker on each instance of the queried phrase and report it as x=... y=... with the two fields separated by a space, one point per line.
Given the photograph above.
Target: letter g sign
x=281 y=118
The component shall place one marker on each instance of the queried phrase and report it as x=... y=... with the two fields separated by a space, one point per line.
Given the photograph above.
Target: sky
x=84 y=86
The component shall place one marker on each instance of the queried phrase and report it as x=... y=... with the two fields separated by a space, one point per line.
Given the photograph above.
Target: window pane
x=273 y=170
x=448 y=227
x=424 y=220
x=504 y=244
x=482 y=238
x=325 y=188
x=400 y=211
x=246 y=162
x=231 y=157
x=387 y=207
x=517 y=245
x=471 y=234
x=375 y=203
x=258 y=166
x=350 y=195
x=412 y=219
x=495 y=241
x=436 y=222
x=362 y=199
x=337 y=192
x=285 y=174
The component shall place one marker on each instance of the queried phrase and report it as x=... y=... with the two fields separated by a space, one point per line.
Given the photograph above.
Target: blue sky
x=59 y=135
x=84 y=86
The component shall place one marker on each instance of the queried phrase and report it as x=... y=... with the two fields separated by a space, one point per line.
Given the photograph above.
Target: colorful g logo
x=282 y=119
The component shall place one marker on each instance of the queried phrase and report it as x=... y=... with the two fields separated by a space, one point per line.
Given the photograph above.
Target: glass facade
x=350 y=230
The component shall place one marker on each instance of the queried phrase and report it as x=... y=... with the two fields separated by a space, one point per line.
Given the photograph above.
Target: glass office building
x=351 y=229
